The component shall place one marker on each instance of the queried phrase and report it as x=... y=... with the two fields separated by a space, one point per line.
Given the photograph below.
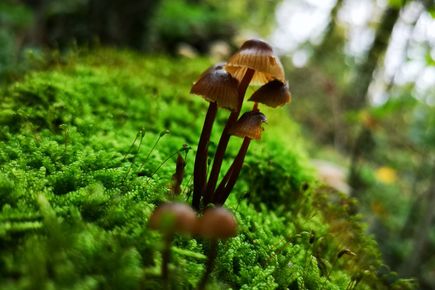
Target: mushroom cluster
x=224 y=86
x=171 y=218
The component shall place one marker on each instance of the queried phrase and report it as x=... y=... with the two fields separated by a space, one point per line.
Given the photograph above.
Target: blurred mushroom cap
x=217 y=223
x=273 y=94
x=173 y=217
x=259 y=56
x=219 y=50
x=217 y=85
x=249 y=125
x=332 y=175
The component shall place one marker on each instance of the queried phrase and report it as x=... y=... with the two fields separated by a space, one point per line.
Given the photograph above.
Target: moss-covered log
x=74 y=205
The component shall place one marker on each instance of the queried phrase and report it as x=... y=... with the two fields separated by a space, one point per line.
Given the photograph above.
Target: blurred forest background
x=362 y=75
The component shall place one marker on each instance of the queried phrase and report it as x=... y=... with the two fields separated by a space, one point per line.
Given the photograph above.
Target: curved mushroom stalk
x=273 y=94
x=229 y=180
x=224 y=139
x=219 y=88
x=247 y=127
x=256 y=62
x=200 y=168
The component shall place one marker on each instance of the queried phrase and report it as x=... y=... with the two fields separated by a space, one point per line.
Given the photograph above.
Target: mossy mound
x=79 y=179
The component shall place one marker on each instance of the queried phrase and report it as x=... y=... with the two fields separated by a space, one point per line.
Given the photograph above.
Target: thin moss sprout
x=163 y=133
x=140 y=135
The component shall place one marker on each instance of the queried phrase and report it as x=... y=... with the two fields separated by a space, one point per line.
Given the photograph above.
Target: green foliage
x=252 y=15
x=397 y=3
x=198 y=23
x=180 y=21
x=278 y=182
x=74 y=204
x=13 y=15
x=14 y=20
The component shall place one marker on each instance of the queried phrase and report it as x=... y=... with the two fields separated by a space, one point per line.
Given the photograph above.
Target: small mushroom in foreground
x=219 y=88
x=273 y=94
x=216 y=224
x=171 y=218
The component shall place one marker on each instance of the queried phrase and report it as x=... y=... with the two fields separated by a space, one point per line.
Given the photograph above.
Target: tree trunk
x=329 y=38
x=411 y=266
x=358 y=91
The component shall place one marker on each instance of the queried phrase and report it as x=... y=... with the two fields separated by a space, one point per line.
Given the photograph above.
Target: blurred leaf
x=397 y=3
x=430 y=61
x=15 y=15
x=386 y=175
x=64 y=7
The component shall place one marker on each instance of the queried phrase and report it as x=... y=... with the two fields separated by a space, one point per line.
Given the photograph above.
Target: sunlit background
x=405 y=61
x=362 y=75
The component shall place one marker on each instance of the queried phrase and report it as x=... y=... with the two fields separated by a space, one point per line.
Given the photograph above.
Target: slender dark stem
x=139 y=134
x=223 y=190
x=225 y=179
x=166 y=256
x=200 y=169
x=217 y=161
x=225 y=137
x=210 y=264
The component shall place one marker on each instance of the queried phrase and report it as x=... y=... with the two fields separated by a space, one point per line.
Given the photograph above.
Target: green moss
x=76 y=188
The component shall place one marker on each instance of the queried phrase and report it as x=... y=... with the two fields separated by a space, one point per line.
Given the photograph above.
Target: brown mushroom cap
x=249 y=125
x=259 y=56
x=173 y=217
x=217 y=85
x=273 y=94
x=217 y=223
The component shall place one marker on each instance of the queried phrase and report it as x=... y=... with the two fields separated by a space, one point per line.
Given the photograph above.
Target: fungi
x=247 y=127
x=254 y=61
x=216 y=224
x=171 y=218
x=273 y=94
x=219 y=88
x=257 y=55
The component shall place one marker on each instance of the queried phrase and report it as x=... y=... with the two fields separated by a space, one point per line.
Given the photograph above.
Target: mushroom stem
x=224 y=180
x=224 y=188
x=212 y=253
x=225 y=137
x=200 y=169
x=166 y=256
